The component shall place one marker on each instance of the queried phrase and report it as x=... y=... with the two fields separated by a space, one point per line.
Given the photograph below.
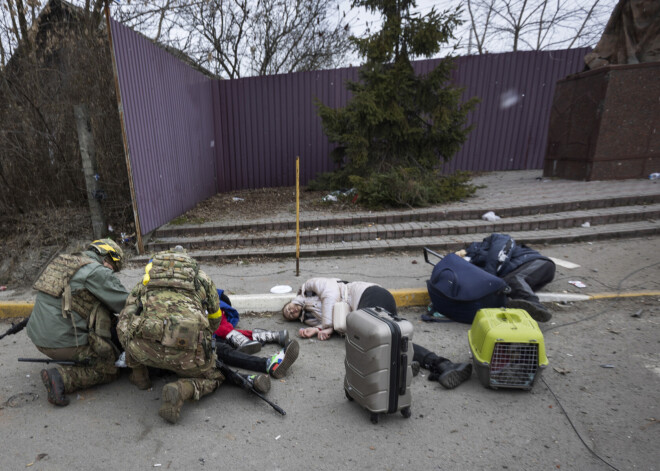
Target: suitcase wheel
x=348 y=396
x=406 y=412
x=374 y=418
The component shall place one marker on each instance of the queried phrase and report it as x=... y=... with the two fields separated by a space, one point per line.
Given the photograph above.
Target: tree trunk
x=86 y=144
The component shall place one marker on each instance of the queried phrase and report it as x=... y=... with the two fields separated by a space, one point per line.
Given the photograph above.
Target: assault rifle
x=15 y=328
x=56 y=362
x=244 y=384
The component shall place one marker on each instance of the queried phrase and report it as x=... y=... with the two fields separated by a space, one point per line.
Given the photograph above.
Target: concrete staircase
x=558 y=216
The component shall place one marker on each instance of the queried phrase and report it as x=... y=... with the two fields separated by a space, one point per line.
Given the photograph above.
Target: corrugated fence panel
x=168 y=116
x=190 y=137
x=266 y=122
x=516 y=91
x=275 y=119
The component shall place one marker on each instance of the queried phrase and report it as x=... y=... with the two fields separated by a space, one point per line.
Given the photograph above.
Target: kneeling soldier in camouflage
x=72 y=318
x=168 y=323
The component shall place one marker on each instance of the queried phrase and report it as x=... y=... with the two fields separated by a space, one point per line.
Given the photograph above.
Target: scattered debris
x=586 y=224
x=637 y=314
x=564 y=263
x=3 y=288
x=490 y=216
x=607 y=366
x=20 y=399
x=40 y=456
x=579 y=284
x=236 y=198
x=651 y=420
x=561 y=371
x=613 y=331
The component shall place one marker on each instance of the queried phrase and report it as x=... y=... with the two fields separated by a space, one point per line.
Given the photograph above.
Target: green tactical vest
x=172 y=311
x=55 y=281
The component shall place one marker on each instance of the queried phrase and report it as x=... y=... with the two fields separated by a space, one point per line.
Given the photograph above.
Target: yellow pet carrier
x=507 y=348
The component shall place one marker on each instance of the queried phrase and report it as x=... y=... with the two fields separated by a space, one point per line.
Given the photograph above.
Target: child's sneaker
x=261 y=383
x=280 y=363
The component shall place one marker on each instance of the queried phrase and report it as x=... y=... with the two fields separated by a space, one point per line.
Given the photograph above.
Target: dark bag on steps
x=459 y=289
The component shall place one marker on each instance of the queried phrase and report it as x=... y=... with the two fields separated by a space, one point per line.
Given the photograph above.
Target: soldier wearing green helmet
x=73 y=319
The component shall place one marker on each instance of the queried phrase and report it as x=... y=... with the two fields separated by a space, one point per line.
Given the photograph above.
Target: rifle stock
x=244 y=384
x=15 y=328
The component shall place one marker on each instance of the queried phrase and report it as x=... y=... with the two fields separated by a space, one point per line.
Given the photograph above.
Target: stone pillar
x=605 y=124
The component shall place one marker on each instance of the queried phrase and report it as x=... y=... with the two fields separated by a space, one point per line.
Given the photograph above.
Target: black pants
x=377 y=296
x=529 y=277
x=425 y=357
x=232 y=357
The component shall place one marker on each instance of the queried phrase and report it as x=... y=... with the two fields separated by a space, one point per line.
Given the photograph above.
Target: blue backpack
x=225 y=305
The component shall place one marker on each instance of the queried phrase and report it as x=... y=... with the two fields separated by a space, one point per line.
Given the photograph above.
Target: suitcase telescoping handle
x=403 y=368
x=428 y=251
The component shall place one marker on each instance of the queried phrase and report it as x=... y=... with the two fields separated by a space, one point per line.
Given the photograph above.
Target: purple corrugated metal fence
x=168 y=120
x=185 y=132
x=274 y=118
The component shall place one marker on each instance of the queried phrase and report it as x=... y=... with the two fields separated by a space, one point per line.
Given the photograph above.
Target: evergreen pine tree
x=399 y=127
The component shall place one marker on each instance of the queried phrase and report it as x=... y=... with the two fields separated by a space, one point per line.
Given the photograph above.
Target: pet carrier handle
x=428 y=251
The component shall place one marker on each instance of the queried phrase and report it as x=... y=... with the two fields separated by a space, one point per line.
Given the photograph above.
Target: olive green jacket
x=48 y=328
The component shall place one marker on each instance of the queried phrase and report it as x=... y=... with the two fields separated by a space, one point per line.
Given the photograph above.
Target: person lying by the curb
x=234 y=347
x=276 y=365
x=314 y=306
x=247 y=341
x=72 y=318
x=525 y=270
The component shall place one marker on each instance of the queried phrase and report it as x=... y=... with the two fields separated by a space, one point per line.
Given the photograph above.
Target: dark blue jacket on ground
x=498 y=254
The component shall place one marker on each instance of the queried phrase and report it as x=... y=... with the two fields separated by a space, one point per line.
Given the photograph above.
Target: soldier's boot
x=174 y=395
x=55 y=387
x=241 y=343
x=279 y=364
x=139 y=376
x=271 y=336
x=449 y=374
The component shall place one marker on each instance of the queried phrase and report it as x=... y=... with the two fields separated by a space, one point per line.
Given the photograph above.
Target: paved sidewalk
x=404 y=271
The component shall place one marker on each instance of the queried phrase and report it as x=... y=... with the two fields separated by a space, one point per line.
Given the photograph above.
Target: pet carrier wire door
x=507 y=347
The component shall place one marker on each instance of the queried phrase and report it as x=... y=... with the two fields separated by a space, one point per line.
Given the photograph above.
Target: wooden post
x=86 y=144
x=136 y=215
x=298 y=216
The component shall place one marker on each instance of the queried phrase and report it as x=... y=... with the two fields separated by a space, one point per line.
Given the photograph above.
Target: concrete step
x=440 y=243
x=505 y=209
x=369 y=232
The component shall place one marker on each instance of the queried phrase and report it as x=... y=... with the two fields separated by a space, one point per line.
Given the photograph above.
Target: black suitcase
x=379 y=352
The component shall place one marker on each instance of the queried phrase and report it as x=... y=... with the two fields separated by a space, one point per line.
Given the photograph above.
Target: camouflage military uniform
x=168 y=323
x=72 y=318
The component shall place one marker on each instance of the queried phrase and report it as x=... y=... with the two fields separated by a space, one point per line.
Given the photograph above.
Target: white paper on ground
x=564 y=263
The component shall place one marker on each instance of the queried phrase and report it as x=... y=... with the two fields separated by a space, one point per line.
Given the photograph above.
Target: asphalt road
x=595 y=406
